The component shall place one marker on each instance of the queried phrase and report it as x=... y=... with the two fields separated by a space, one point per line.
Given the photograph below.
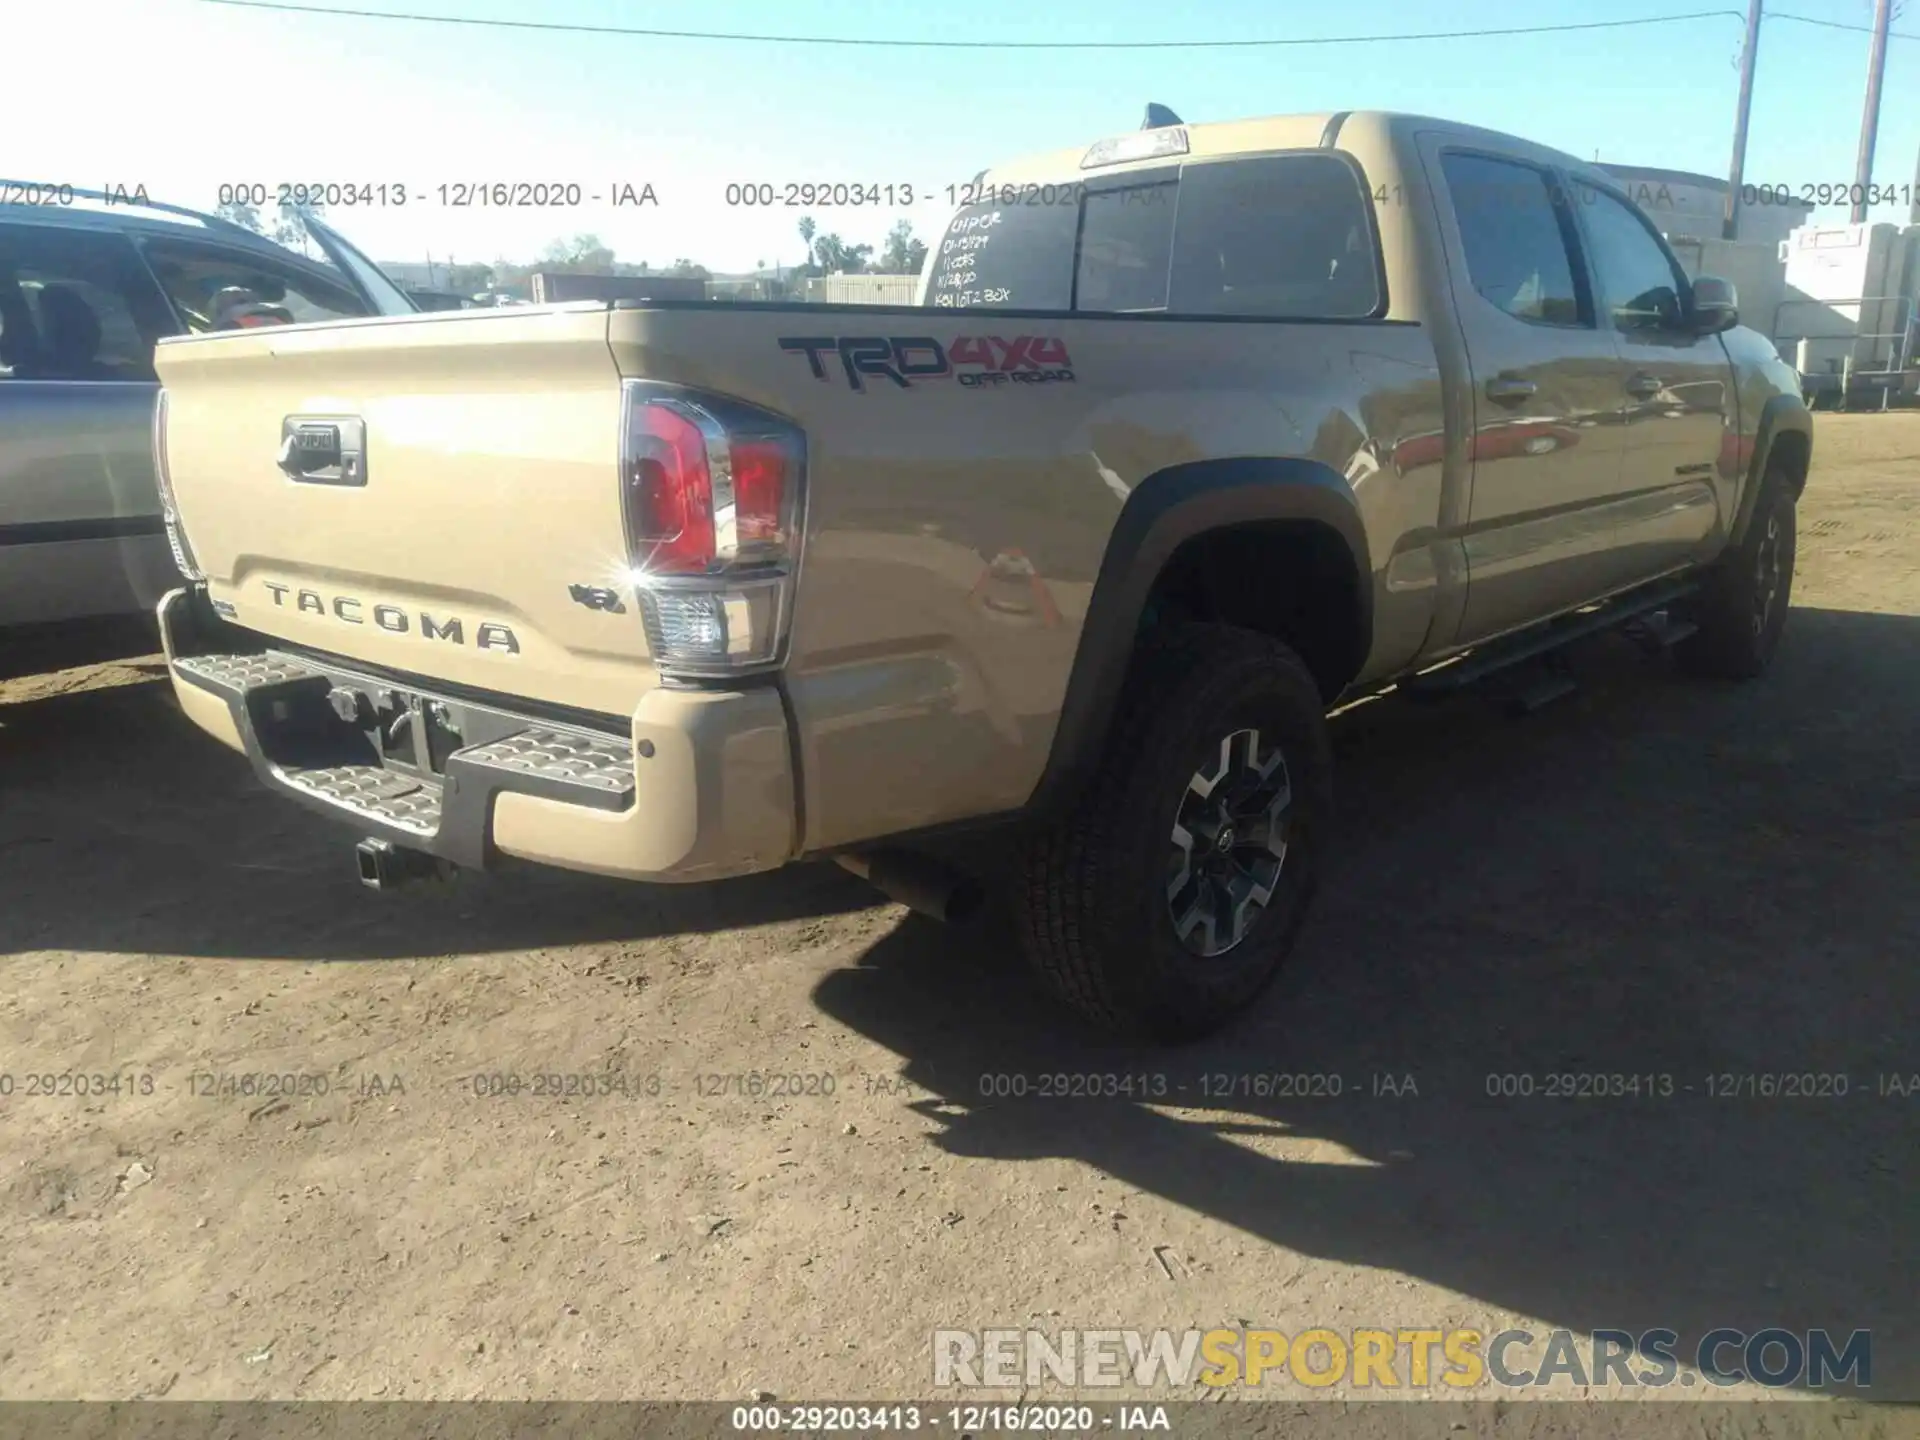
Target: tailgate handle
x=323 y=449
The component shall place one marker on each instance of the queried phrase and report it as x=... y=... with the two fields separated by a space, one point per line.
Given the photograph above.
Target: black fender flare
x=1163 y=512
x=1783 y=414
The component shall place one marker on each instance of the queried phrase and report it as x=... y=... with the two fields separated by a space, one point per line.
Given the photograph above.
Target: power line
x=555 y=25
x=1837 y=25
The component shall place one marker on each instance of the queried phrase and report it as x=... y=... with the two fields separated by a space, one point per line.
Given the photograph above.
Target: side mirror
x=1716 y=306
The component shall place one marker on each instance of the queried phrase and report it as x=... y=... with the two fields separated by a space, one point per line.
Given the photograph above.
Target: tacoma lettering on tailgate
x=351 y=610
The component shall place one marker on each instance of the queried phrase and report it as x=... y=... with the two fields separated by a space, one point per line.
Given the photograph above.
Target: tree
x=582 y=255
x=469 y=279
x=807 y=231
x=834 y=256
x=690 y=270
x=290 y=225
x=903 y=254
x=241 y=213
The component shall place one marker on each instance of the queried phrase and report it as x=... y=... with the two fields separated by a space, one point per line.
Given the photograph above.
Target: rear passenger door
x=80 y=531
x=1548 y=445
x=1677 y=385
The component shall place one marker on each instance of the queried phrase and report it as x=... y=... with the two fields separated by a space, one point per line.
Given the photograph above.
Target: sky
x=184 y=96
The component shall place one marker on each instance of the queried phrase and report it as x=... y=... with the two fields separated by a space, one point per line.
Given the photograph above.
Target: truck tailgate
x=487 y=486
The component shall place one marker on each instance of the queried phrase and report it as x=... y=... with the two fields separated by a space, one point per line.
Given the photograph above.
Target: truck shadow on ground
x=113 y=791
x=35 y=650
x=1653 y=878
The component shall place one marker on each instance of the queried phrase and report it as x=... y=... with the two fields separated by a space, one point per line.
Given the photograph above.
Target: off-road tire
x=1744 y=605
x=1092 y=901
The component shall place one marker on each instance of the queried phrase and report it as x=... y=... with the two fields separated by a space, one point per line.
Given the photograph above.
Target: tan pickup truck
x=1198 y=432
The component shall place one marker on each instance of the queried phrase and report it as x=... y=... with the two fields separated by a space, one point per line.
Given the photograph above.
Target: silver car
x=87 y=285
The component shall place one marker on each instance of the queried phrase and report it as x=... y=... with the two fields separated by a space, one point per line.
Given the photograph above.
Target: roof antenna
x=1159 y=117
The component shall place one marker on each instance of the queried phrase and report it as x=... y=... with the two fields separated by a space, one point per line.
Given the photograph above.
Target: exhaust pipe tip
x=923 y=884
x=384 y=865
x=964 y=897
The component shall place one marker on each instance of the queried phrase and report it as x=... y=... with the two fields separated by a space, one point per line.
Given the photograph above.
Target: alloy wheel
x=1766 y=589
x=1229 y=844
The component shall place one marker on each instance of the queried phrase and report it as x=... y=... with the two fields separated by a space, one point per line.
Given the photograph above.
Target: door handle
x=1643 y=386
x=1506 y=389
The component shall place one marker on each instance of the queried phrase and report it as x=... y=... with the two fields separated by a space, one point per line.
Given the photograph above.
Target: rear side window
x=1126 y=245
x=1282 y=236
x=1007 y=256
x=1518 y=239
x=214 y=288
x=75 y=305
x=1275 y=235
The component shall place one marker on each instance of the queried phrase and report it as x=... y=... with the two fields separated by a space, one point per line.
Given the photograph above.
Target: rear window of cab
x=1287 y=236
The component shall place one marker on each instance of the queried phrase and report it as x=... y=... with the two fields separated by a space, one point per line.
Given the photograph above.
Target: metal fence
x=1845 y=358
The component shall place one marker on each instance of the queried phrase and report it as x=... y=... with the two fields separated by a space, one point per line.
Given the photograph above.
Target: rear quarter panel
x=954 y=530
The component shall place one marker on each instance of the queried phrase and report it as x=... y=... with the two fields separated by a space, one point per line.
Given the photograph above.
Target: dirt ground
x=1653 y=877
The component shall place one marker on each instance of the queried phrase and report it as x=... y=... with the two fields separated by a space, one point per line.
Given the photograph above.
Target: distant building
x=551 y=286
x=861 y=289
x=1682 y=203
x=1690 y=210
x=1852 y=294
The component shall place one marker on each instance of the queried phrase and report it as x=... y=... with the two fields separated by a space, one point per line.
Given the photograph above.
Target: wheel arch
x=1191 y=529
x=1784 y=433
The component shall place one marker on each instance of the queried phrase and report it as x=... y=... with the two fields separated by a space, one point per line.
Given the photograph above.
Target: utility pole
x=1749 y=53
x=1870 y=118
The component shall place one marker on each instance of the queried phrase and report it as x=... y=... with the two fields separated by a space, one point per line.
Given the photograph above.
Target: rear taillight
x=713 y=495
x=163 y=482
x=670 y=488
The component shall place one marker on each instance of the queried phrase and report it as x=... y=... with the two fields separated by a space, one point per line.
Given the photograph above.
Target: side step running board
x=1453 y=676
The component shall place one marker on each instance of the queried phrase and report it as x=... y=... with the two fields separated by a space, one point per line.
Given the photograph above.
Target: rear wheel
x=1744 y=606
x=1165 y=902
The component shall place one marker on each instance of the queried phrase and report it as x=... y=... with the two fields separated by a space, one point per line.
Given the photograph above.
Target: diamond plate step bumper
x=290 y=721
x=372 y=792
x=552 y=757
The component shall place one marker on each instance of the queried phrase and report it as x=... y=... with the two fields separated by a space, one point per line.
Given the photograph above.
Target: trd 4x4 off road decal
x=971 y=360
